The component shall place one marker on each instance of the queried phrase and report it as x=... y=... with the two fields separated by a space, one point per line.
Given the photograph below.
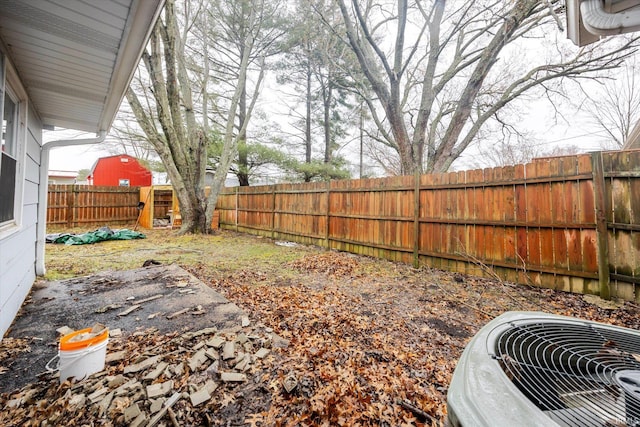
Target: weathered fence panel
x=570 y=223
x=621 y=172
x=84 y=205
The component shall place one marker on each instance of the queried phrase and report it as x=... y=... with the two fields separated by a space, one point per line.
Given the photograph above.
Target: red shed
x=120 y=170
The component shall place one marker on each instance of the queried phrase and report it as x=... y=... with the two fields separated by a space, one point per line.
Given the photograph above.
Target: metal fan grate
x=578 y=373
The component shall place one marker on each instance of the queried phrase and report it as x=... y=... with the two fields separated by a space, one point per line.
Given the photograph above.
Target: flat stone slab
x=76 y=303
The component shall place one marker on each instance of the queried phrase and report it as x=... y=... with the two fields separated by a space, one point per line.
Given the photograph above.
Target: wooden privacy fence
x=82 y=205
x=568 y=223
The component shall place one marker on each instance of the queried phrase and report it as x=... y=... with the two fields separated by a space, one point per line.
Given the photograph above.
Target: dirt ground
x=367 y=336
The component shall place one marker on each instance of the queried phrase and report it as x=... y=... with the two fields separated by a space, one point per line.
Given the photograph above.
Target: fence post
x=273 y=211
x=416 y=219
x=71 y=195
x=601 y=224
x=237 y=209
x=328 y=192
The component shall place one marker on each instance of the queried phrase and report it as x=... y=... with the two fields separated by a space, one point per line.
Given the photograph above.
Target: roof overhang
x=76 y=58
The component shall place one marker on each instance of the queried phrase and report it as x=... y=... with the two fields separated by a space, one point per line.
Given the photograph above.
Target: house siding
x=18 y=250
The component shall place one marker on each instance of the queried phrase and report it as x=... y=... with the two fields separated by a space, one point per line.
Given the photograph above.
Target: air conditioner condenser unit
x=538 y=369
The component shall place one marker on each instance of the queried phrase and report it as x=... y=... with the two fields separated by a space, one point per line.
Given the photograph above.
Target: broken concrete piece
x=198 y=310
x=156 y=404
x=114 y=333
x=178 y=369
x=245 y=321
x=242 y=338
x=127 y=387
x=117 y=381
x=197 y=360
x=76 y=401
x=15 y=403
x=114 y=357
x=279 y=342
x=212 y=354
x=64 y=330
x=216 y=342
x=159 y=369
x=159 y=389
x=262 y=353
x=205 y=331
x=97 y=395
x=139 y=421
x=214 y=368
x=178 y=313
x=108 y=307
x=104 y=404
x=200 y=396
x=243 y=365
x=151 y=316
x=239 y=358
x=131 y=413
x=142 y=301
x=129 y=310
x=141 y=365
x=232 y=377
x=211 y=386
x=168 y=404
x=290 y=383
x=229 y=350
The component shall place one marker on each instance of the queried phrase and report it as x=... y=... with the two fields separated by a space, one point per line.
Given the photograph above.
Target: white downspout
x=43 y=190
x=598 y=21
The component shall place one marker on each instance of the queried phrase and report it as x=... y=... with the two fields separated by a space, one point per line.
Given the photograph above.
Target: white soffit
x=76 y=57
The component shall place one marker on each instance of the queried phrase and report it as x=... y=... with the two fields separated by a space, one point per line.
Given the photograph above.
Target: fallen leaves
x=10 y=348
x=135 y=389
x=335 y=264
x=371 y=342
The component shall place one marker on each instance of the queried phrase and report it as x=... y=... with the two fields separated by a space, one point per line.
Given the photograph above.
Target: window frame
x=11 y=86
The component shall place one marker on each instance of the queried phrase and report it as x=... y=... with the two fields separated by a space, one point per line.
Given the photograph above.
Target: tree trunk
x=328 y=95
x=307 y=123
x=243 y=163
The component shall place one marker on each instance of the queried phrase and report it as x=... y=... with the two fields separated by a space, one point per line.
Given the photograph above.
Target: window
x=8 y=144
x=123 y=182
x=10 y=149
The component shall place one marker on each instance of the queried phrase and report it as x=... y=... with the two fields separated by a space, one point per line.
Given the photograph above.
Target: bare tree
x=441 y=70
x=614 y=106
x=127 y=137
x=163 y=104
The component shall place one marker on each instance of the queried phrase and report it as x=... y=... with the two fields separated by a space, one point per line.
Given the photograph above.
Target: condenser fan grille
x=580 y=374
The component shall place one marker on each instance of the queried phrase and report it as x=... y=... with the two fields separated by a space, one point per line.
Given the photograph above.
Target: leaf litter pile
x=370 y=342
x=374 y=342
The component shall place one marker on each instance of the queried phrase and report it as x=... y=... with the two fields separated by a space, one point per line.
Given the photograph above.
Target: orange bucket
x=65 y=345
x=79 y=359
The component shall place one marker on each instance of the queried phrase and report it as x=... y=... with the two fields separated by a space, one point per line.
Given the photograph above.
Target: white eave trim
x=144 y=14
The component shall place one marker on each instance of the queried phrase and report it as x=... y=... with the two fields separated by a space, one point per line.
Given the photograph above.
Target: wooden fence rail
x=84 y=205
x=569 y=223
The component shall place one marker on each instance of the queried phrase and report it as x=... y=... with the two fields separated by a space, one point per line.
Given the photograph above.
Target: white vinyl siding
x=18 y=237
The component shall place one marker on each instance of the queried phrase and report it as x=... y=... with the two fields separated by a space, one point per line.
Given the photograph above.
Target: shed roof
x=76 y=57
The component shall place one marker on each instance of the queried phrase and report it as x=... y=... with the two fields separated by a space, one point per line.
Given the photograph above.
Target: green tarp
x=100 y=235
